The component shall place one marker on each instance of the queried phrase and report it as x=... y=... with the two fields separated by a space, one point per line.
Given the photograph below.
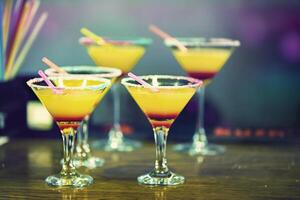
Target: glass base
x=126 y=145
x=206 y=150
x=77 y=180
x=171 y=179
x=90 y=163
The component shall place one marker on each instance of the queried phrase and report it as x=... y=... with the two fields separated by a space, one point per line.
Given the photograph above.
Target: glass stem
x=161 y=169
x=82 y=147
x=199 y=138
x=68 y=136
x=116 y=102
x=115 y=135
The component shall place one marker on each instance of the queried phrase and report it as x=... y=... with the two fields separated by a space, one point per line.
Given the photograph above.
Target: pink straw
x=142 y=82
x=85 y=41
x=154 y=29
x=49 y=83
x=53 y=65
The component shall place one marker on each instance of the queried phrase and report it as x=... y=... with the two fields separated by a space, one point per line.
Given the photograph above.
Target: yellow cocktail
x=123 y=57
x=122 y=54
x=203 y=59
x=161 y=108
x=83 y=155
x=211 y=61
x=68 y=108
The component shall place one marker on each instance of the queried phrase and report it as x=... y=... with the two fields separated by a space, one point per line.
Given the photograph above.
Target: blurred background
x=257 y=89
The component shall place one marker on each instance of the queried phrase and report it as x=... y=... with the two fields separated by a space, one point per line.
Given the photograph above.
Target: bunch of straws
x=17 y=34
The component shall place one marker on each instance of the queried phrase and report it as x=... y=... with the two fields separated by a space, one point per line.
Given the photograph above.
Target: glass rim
x=195 y=82
x=106 y=82
x=203 y=42
x=114 y=71
x=132 y=41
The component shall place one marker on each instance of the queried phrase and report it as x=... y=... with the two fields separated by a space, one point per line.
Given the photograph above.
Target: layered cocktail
x=162 y=107
x=72 y=100
x=203 y=59
x=123 y=54
x=83 y=156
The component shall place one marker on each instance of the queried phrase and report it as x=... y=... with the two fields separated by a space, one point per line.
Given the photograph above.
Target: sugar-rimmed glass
x=162 y=108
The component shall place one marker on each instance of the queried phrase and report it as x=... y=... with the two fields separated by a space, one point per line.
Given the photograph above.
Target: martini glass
x=122 y=54
x=203 y=60
x=83 y=156
x=68 y=109
x=162 y=108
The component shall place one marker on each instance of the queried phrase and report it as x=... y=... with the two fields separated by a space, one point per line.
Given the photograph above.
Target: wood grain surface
x=245 y=171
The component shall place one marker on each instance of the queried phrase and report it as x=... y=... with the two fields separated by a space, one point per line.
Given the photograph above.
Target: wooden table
x=244 y=172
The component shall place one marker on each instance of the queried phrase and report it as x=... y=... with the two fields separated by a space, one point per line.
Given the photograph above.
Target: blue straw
x=1 y=44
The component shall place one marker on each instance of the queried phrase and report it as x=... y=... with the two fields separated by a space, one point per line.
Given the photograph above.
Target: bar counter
x=245 y=171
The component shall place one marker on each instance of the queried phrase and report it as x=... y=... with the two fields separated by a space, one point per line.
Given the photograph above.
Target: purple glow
x=253 y=29
x=290 y=46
